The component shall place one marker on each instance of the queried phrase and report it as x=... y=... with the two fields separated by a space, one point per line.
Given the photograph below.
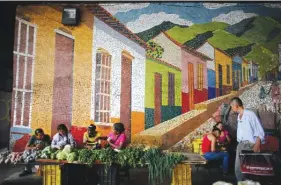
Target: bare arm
x=213 y=140
x=117 y=146
x=30 y=145
x=228 y=139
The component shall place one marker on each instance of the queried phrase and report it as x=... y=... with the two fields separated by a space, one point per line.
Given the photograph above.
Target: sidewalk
x=9 y=176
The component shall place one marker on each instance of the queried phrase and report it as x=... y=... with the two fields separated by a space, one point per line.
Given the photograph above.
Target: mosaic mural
x=138 y=63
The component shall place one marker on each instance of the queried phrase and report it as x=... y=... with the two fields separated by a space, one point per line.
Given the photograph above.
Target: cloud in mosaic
x=115 y=8
x=217 y=5
x=147 y=21
x=233 y=17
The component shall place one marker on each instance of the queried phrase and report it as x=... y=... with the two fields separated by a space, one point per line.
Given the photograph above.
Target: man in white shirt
x=250 y=133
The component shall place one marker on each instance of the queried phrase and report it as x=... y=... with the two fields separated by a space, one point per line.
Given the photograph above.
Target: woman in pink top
x=117 y=138
x=224 y=138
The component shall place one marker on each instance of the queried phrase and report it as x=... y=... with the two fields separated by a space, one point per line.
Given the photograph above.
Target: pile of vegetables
x=13 y=158
x=160 y=164
x=68 y=153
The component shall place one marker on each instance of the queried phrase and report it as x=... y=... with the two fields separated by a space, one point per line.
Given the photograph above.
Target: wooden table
x=194 y=158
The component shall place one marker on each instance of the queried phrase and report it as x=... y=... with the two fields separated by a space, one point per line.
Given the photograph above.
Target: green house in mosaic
x=162 y=93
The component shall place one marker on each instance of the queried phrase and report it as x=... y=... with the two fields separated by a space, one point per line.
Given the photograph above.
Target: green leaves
x=132 y=157
x=161 y=165
x=154 y=50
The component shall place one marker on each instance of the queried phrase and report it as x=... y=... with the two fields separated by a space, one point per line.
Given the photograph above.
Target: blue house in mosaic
x=237 y=72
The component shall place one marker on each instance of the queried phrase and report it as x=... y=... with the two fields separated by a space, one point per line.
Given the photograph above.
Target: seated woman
x=117 y=138
x=91 y=138
x=37 y=142
x=224 y=138
x=210 y=152
x=62 y=138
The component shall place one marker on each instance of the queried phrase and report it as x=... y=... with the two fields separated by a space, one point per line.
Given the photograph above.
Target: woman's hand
x=109 y=140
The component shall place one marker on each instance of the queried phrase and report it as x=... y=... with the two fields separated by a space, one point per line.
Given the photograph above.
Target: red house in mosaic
x=194 y=69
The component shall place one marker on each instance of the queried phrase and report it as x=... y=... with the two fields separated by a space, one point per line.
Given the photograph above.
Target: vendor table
x=63 y=173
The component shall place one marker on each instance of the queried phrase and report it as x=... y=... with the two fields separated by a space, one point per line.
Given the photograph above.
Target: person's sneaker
x=25 y=173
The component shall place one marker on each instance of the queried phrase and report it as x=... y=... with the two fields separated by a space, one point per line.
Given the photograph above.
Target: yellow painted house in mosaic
x=63 y=74
x=223 y=71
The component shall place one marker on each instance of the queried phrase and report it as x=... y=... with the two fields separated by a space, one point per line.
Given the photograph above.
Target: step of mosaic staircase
x=168 y=133
x=186 y=145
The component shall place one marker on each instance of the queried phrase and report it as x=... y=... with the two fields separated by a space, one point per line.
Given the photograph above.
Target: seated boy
x=91 y=138
x=210 y=152
x=37 y=142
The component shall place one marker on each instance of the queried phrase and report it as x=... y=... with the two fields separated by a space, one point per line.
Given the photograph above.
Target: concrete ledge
x=168 y=133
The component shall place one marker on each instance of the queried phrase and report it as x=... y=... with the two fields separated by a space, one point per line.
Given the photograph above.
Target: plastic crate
x=51 y=174
x=197 y=146
x=182 y=175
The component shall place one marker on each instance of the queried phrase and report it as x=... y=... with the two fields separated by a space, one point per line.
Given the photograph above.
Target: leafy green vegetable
x=61 y=155
x=47 y=150
x=71 y=157
x=132 y=157
x=85 y=156
x=107 y=156
x=67 y=149
x=160 y=165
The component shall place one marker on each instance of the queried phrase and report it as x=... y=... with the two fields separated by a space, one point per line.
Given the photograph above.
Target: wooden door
x=191 y=85
x=125 y=96
x=220 y=85
x=158 y=99
x=63 y=82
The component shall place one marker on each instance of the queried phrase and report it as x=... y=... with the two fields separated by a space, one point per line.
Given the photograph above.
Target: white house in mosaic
x=208 y=50
x=118 y=72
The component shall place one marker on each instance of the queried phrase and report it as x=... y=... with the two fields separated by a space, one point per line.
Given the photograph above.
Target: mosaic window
x=24 y=54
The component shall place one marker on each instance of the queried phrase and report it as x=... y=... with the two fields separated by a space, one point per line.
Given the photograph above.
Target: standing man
x=250 y=133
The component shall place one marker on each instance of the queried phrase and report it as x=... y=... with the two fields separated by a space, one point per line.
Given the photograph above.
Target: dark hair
x=62 y=127
x=92 y=127
x=38 y=131
x=237 y=100
x=218 y=124
x=119 y=127
x=215 y=129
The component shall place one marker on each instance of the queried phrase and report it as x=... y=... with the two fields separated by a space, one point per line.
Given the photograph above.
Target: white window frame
x=25 y=55
x=98 y=95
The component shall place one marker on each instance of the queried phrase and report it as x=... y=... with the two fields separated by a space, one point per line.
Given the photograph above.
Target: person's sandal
x=25 y=173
